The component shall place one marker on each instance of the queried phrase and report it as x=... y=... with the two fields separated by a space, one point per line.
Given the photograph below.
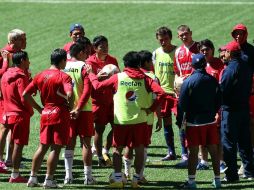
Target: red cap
x=232 y=46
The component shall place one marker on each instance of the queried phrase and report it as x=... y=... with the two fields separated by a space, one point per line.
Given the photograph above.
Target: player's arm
x=4 y=59
x=27 y=94
x=153 y=87
x=227 y=82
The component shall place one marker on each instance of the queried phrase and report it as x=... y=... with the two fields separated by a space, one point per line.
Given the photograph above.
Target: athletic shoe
x=169 y=157
x=228 y=180
x=223 y=167
x=142 y=180
x=182 y=164
x=18 y=179
x=68 y=181
x=107 y=159
x=32 y=182
x=135 y=182
x=50 y=184
x=247 y=177
x=201 y=166
x=116 y=185
x=241 y=170
x=89 y=180
x=216 y=184
x=188 y=185
x=3 y=168
x=102 y=162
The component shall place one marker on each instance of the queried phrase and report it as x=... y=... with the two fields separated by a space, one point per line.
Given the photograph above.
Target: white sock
x=221 y=162
x=118 y=177
x=104 y=151
x=88 y=171
x=14 y=174
x=68 y=162
x=127 y=165
x=191 y=179
x=204 y=162
x=33 y=174
x=144 y=163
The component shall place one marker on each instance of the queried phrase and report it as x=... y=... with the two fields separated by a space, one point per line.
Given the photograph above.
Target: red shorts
x=167 y=105
x=252 y=106
x=130 y=135
x=58 y=133
x=20 y=128
x=1 y=110
x=83 y=125
x=202 y=135
x=103 y=114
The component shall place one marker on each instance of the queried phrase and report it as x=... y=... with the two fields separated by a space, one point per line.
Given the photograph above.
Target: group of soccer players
x=212 y=99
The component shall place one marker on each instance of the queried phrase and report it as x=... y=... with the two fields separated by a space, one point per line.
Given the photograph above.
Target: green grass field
x=128 y=27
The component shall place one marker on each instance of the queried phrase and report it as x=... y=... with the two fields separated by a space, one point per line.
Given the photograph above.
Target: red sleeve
x=22 y=84
x=67 y=84
x=4 y=67
x=108 y=83
x=31 y=88
x=86 y=91
x=153 y=86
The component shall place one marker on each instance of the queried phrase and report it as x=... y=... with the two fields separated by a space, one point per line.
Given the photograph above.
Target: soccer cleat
x=32 y=182
x=169 y=157
x=68 y=181
x=107 y=159
x=241 y=170
x=247 y=177
x=116 y=185
x=201 y=166
x=223 y=168
x=102 y=162
x=89 y=180
x=216 y=184
x=50 y=184
x=142 y=180
x=188 y=185
x=228 y=180
x=18 y=179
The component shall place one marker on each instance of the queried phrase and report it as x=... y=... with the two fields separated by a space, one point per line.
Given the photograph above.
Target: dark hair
x=57 y=56
x=132 y=59
x=183 y=27
x=163 y=31
x=84 y=40
x=208 y=43
x=99 y=40
x=18 y=57
x=145 y=56
x=76 y=48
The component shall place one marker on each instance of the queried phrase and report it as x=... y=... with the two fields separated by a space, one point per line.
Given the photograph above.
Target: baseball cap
x=76 y=26
x=198 y=61
x=232 y=46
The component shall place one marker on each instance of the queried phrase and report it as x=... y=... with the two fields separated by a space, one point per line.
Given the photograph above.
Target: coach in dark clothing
x=200 y=100
x=236 y=89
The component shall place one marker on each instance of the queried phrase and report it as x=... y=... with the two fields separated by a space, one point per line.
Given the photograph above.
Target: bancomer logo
x=132 y=83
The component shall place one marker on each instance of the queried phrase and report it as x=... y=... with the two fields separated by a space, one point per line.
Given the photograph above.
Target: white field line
x=131 y=2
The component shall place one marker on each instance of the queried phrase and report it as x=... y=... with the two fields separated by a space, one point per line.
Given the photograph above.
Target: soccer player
x=130 y=113
x=235 y=85
x=163 y=58
x=200 y=105
x=182 y=68
x=76 y=31
x=17 y=111
x=82 y=122
x=213 y=67
x=146 y=67
x=55 y=89
x=16 y=42
x=240 y=34
x=102 y=100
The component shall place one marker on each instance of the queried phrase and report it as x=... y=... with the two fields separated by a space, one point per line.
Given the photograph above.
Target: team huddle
x=84 y=90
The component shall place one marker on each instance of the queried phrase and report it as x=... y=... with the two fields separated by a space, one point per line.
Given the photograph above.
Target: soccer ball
x=108 y=70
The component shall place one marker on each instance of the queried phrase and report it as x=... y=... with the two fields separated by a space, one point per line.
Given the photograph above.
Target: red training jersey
x=50 y=82
x=183 y=59
x=104 y=96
